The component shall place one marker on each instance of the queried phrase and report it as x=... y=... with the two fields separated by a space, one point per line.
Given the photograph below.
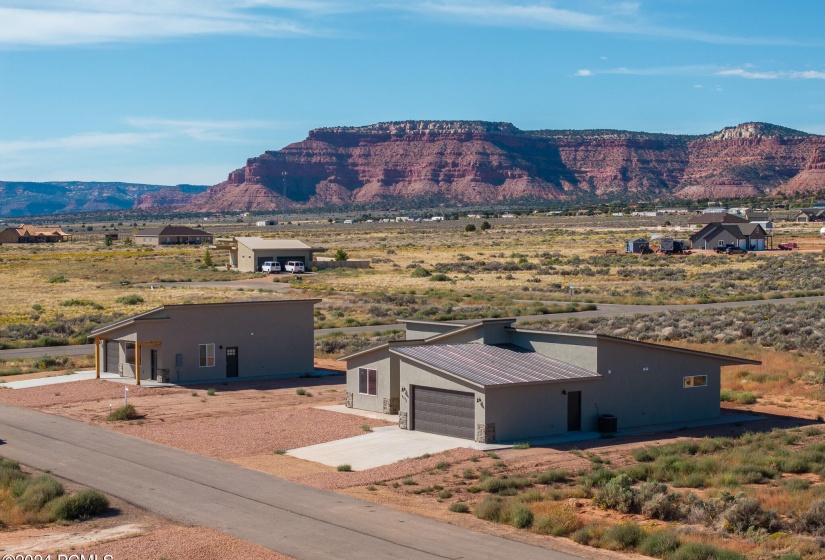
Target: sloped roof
x=492 y=365
x=174 y=230
x=739 y=231
x=261 y=243
x=717 y=218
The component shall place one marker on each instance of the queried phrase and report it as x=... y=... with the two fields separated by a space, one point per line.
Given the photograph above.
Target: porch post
x=97 y=357
x=137 y=363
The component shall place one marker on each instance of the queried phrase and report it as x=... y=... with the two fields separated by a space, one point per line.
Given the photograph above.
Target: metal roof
x=492 y=365
x=261 y=243
x=181 y=231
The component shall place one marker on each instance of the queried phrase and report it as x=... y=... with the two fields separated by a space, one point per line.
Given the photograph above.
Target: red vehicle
x=787 y=246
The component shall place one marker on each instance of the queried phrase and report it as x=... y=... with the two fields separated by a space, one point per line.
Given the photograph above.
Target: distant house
x=172 y=235
x=33 y=234
x=248 y=254
x=195 y=343
x=264 y=223
x=750 y=237
x=490 y=381
x=810 y=215
x=701 y=220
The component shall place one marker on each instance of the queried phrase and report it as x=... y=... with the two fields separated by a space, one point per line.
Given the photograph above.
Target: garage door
x=112 y=356
x=439 y=411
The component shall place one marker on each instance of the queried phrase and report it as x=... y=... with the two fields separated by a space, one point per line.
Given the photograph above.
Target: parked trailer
x=639 y=246
x=787 y=246
x=672 y=246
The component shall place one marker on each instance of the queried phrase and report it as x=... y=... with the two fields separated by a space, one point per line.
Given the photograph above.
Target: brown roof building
x=33 y=234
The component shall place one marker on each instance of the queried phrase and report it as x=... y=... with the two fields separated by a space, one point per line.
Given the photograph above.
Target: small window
x=695 y=381
x=129 y=351
x=178 y=360
x=367 y=381
x=207 y=355
x=721 y=243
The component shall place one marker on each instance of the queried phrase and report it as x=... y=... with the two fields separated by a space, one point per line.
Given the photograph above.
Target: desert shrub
x=551 y=476
x=659 y=544
x=643 y=455
x=10 y=473
x=470 y=227
x=34 y=493
x=459 y=507
x=587 y=535
x=617 y=494
x=58 y=279
x=496 y=485
x=131 y=299
x=746 y=514
x=420 y=272
x=439 y=278
x=80 y=505
x=125 y=412
x=490 y=508
x=520 y=516
x=813 y=519
x=595 y=478
x=623 y=536
x=704 y=551
x=555 y=519
x=344 y=468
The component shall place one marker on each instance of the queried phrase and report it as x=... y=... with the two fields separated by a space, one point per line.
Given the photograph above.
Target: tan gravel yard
x=242 y=419
x=182 y=543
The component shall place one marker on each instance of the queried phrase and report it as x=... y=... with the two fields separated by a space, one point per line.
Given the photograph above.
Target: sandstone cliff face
x=429 y=162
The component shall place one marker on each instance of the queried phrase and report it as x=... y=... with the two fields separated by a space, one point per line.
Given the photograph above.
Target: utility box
x=608 y=424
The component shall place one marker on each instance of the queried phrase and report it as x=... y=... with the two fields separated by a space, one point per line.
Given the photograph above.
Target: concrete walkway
x=56 y=380
x=341 y=409
x=301 y=522
x=383 y=446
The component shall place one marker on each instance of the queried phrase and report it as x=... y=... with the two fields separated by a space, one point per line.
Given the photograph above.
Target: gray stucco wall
x=576 y=350
x=643 y=385
x=272 y=339
x=386 y=399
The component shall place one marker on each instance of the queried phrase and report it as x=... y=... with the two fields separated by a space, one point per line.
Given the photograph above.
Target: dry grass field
x=731 y=494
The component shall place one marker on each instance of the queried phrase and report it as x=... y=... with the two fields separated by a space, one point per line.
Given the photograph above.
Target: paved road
x=299 y=521
x=604 y=310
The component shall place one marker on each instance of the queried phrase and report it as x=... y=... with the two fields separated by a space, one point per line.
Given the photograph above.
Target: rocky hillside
x=428 y=162
x=30 y=199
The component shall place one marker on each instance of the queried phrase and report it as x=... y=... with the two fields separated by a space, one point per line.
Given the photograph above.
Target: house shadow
x=325 y=379
x=737 y=424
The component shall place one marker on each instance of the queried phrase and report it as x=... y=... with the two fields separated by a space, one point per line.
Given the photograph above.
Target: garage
x=440 y=411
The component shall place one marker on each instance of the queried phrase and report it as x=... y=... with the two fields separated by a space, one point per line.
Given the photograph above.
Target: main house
x=248 y=254
x=748 y=236
x=33 y=234
x=195 y=343
x=172 y=235
x=491 y=382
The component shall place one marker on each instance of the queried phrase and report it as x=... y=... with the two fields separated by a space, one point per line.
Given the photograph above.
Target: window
x=695 y=381
x=207 y=355
x=721 y=243
x=129 y=351
x=367 y=381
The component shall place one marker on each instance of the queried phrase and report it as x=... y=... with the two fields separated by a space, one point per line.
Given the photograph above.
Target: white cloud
x=746 y=71
x=603 y=17
x=583 y=72
x=77 y=22
x=201 y=130
x=698 y=86
x=84 y=141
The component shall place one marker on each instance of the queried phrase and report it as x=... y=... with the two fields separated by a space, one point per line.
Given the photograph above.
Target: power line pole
x=283 y=216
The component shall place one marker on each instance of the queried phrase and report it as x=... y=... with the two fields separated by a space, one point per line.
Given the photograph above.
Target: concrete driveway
x=383 y=446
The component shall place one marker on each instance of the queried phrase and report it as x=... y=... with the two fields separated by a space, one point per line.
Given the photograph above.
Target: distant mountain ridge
x=477 y=162
x=415 y=163
x=20 y=198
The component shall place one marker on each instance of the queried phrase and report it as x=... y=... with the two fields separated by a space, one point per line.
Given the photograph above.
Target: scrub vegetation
x=29 y=500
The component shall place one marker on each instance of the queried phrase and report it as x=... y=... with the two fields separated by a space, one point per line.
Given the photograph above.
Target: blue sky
x=183 y=91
